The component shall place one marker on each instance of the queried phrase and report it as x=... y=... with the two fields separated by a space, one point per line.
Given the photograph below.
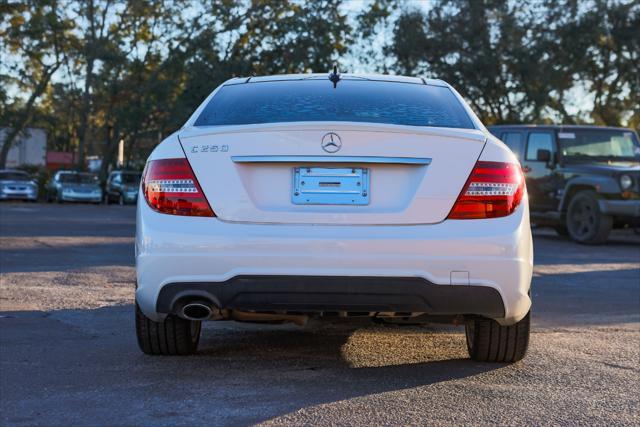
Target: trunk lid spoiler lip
x=418 y=161
x=468 y=134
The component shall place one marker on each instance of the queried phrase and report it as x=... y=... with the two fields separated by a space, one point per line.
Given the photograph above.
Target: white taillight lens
x=494 y=189
x=170 y=187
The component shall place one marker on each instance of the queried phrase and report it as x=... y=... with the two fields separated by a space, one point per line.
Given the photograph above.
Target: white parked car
x=297 y=196
x=17 y=185
x=72 y=186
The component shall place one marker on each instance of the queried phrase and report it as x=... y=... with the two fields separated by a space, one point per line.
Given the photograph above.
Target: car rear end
x=350 y=202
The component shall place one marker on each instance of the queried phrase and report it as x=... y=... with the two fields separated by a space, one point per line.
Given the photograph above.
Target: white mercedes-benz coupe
x=291 y=197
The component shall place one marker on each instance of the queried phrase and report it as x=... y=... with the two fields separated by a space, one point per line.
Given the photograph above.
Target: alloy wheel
x=583 y=218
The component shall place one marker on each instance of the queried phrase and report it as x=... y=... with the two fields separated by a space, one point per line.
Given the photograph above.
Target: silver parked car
x=15 y=184
x=72 y=186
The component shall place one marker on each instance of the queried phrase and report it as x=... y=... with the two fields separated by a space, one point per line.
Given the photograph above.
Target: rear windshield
x=352 y=101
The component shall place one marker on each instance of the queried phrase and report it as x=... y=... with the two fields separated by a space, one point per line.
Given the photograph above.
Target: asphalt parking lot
x=68 y=353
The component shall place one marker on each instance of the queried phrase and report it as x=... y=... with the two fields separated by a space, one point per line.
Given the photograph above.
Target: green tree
x=291 y=37
x=34 y=38
x=611 y=64
x=525 y=61
x=134 y=70
x=98 y=38
x=244 y=38
x=482 y=47
x=140 y=75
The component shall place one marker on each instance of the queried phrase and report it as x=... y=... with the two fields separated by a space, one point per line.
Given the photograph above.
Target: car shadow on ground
x=264 y=370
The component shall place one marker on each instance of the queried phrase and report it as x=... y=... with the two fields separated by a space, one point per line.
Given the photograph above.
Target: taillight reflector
x=170 y=187
x=494 y=189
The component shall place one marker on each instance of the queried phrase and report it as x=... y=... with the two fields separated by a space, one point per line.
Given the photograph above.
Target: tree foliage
x=527 y=61
x=35 y=34
x=94 y=72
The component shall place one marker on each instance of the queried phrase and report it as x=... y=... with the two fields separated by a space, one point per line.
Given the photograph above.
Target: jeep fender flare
x=600 y=184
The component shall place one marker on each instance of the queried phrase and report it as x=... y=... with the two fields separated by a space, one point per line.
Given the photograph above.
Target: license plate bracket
x=330 y=186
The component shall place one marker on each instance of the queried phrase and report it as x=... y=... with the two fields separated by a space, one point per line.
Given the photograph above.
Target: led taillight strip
x=493 y=190
x=170 y=187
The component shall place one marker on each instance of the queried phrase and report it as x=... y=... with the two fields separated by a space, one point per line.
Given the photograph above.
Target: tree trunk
x=83 y=130
x=85 y=112
x=108 y=150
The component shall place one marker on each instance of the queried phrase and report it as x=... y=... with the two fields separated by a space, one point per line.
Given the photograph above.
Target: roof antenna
x=334 y=77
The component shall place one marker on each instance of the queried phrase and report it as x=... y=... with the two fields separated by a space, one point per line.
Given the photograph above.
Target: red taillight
x=170 y=187
x=494 y=189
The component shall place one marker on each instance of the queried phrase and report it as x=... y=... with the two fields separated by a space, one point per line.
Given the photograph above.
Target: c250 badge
x=209 y=148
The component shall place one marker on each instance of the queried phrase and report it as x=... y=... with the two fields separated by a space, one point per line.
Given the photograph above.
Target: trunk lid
x=414 y=174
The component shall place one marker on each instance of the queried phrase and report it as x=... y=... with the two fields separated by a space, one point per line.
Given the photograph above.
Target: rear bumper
x=623 y=208
x=81 y=198
x=261 y=266
x=309 y=294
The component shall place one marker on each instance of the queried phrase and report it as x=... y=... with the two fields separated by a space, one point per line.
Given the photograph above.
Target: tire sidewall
x=600 y=225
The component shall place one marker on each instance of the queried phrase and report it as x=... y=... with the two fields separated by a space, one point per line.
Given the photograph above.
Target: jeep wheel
x=488 y=341
x=585 y=222
x=174 y=336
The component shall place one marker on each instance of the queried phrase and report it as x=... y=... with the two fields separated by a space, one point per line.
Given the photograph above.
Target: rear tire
x=174 y=336
x=586 y=224
x=488 y=341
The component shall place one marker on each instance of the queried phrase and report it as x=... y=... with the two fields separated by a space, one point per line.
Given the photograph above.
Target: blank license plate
x=330 y=186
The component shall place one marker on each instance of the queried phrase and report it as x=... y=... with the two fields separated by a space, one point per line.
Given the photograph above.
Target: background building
x=29 y=150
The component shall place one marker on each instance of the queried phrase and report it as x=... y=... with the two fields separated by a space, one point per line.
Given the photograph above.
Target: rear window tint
x=352 y=101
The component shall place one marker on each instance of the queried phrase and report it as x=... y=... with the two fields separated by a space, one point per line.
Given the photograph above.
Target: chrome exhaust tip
x=197 y=311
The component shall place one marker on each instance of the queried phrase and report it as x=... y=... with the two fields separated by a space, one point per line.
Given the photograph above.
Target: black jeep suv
x=581 y=180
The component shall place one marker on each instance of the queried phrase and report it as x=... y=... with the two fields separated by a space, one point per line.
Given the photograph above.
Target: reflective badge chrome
x=331 y=143
x=209 y=148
